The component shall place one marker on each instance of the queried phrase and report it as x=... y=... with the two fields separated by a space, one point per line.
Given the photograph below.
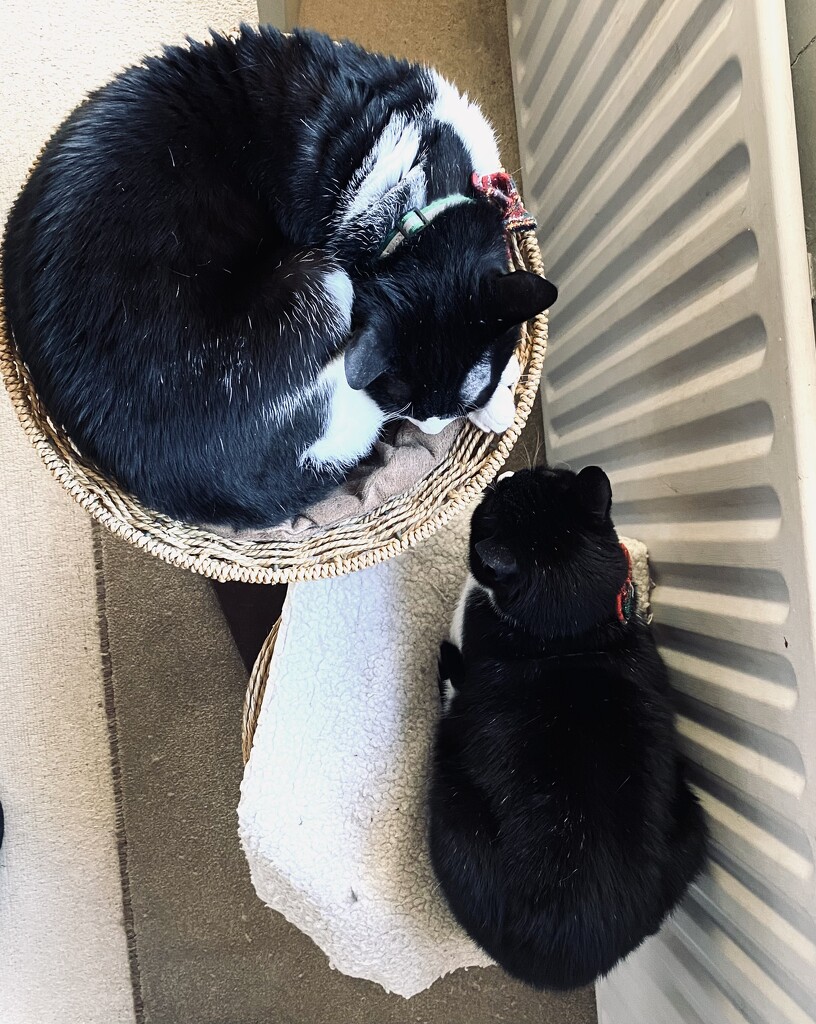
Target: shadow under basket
x=467 y=467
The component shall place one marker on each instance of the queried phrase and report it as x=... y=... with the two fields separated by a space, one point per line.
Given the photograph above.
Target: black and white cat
x=562 y=829
x=217 y=281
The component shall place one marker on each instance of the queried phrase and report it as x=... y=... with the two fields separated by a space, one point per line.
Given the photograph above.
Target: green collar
x=414 y=221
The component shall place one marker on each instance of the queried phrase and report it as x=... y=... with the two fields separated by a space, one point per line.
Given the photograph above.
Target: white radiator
x=658 y=149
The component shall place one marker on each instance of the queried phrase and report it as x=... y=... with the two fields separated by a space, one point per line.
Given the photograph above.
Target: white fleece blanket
x=332 y=815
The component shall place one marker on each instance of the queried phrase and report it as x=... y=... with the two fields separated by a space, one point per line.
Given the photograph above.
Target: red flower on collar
x=500 y=189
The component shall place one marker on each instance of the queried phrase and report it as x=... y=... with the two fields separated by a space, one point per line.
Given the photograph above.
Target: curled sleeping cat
x=195 y=276
x=562 y=829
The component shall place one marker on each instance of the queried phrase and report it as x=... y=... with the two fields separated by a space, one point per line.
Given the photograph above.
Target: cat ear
x=594 y=491
x=365 y=358
x=496 y=556
x=516 y=297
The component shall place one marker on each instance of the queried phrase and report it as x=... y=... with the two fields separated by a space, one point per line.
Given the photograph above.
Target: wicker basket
x=472 y=462
x=253 y=698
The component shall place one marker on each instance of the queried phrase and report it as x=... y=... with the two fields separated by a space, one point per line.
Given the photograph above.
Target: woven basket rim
x=256 y=688
x=402 y=521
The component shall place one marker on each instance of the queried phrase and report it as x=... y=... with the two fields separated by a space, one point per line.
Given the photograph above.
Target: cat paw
x=451 y=670
x=498 y=414
x=449 y=664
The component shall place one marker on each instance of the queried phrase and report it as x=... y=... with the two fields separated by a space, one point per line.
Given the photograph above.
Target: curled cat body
x=562 y=828
x=194 y=272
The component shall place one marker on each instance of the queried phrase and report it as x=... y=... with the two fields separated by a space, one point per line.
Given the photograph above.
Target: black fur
x=562 y=829
x=159 y=261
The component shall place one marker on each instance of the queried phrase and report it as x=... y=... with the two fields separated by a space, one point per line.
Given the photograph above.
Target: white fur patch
x=457 y=629
x=457 y=623
x=469 y=123
x=469 y=587
x=433 y=425
x=341 y=292
x=353 y=424
x=511 y=372
x=323 y=306
x=498 y=414
x=500 y=411
x=390 y=161
x=476 y=381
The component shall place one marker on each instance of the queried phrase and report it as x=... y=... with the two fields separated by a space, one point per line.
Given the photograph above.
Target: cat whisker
x=539 y=446
x=397 y=414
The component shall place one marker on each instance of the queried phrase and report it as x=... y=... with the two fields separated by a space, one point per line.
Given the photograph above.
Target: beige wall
x=281 y=13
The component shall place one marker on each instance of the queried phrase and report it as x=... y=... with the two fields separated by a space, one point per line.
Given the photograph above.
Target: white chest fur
x=352 y=425
x=457 y=630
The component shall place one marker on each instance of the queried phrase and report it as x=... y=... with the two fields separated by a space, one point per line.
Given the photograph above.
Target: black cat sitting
x=562 y=829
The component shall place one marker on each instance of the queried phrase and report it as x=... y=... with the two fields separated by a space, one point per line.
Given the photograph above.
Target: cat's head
x=437 y=322
x=543 y=542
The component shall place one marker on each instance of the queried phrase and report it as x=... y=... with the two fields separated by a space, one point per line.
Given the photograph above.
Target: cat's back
x=587 y=733
x=139 y=281
x=169 y=195
x=97 y=223
x=118 y=162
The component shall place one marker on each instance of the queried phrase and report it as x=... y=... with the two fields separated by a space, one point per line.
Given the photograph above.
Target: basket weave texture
x=472 y=461
x=256 y=688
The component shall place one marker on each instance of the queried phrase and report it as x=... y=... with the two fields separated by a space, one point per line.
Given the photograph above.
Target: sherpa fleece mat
x=332 y=814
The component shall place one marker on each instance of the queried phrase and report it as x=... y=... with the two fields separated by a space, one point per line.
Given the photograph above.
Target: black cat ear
x=365 y=358
x=496 y=556
x=594 y=491
x=517 y=297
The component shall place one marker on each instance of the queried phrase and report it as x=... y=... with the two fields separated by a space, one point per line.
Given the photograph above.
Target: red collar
x=625 y=601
